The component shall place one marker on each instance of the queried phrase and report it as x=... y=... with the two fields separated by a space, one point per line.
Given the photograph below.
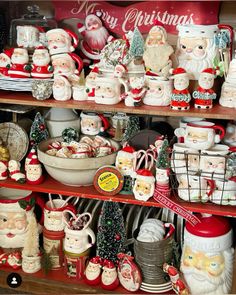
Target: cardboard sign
x=120 y=20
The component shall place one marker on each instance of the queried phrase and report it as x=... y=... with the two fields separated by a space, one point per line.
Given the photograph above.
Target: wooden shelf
x=25 y=98
x=52 y=186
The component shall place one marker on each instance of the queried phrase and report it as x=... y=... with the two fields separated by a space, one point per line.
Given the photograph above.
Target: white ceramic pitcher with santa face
x=16 y=206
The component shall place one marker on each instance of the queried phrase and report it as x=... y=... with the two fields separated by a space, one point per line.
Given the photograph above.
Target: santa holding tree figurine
x=180 y=98
x=20 y=67
x=204 y=95
x=34 y=173
x=109 y=279
x=95 y=37
x=41 y=67
x=93 y=271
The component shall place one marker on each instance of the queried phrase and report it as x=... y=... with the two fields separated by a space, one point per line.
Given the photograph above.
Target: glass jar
x=29 y=31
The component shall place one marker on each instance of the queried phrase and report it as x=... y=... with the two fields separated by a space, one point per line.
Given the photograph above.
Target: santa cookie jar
x=95 y=37
x=207 y=257
x=41 y=67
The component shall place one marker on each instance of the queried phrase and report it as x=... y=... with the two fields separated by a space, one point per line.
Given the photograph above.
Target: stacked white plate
x=17 y=84
x=156 y=288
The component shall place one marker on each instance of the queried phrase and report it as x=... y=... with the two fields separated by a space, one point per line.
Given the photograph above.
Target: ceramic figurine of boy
x=204 y=95
x=180 y=97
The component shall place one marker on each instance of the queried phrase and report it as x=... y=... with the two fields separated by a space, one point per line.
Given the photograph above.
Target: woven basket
x=17 y=84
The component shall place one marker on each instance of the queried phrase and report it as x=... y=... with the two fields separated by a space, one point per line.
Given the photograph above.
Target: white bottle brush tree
x=31 y=245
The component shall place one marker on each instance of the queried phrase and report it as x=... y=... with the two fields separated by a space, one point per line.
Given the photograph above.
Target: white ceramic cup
x=224 y=193
x=185 y=120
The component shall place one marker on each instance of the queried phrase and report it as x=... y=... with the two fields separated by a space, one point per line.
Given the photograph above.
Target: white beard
x=92 y=275
x=4 y=64
x=15 y=242
x=41 y=61
x=139 y=195
x=62 y=93
x=19 y=59
x=53 y=223
x=97 y=39
x=33 y=177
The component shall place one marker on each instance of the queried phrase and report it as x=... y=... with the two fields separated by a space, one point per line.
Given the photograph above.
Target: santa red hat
x=96 y=260
x=40 y=29
x=145 y=175
x=8 y=52
x=67 y=34
x=34 y=161
x=95 y=70
x=41 y=48
x=150 y=73
x=31 y=153
x=178 y=71
x=211 y=71
x=108 y=264
x=126 y=152
x=98 y=117
x=5 y=163
x=62 y=78
x=211 y=234
x=105 y=123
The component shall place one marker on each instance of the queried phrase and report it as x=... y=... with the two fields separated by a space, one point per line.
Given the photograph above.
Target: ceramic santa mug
x=224 y=193
x=201 y=135
x=213 y=161
x=16 y=206
x=61 y=41
x=193 y=188
x=66 y=64
x=53 y=213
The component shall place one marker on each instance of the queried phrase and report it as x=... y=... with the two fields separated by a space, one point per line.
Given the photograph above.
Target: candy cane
x=51 y=201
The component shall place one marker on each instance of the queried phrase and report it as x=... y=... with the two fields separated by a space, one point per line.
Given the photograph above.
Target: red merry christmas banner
x=120 y=20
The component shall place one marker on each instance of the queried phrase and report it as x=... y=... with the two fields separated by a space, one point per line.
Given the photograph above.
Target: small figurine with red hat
x=109 y=279
x=14 y=171
x=95 y=37
x=144 y=185
x=136 y=92
x=93 y=271
x=5 y=61
x=29 y=157
x=180 y=98
x=61 y=88
x=93 y=124
x=204 y=95
x=34 y=173
x=90 y=83
x=61 y=41
x=41 y=67
x=20 y=67
x=3 y=170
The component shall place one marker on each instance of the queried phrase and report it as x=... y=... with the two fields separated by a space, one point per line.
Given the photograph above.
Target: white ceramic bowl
x=73 y=172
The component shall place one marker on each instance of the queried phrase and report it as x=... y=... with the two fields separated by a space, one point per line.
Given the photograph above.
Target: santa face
x=90 y=126
x=105 y=90
x=20 y=56
x=155 y=38
x=201 y=138
x=206 y=81
x=207 y=273
x=4 y=60
x=53 y=220
x=61 y=91
x=162 y=176
x=90 y=79
x=109 y=275
x=58 y=42
x=74 y=244
x=33 y=172
x=41 y=58
x=181 y=82
x=228 y=95
x=213 y=164
x=63 y=66
x=13 y=165
x=143 y=190
x=125 y=165
x=92 y=271
x=137 y=82
x=13 y=227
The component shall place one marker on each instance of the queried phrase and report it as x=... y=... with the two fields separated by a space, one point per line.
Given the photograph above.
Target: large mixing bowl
x=73 y=172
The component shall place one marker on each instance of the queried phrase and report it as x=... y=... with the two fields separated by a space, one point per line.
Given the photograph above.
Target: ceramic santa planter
x=204 y=95
x=157 y=51
x=180 y=97
x=207 y=257
x=41 y=67
x=34 y=173
x=93 y=271
x=92 y=123
x=61 y=41
x=109 y=279
x=95 y=37
x=61 y=88
x=3 y=170
x=5 y=61
x=144 y=185
x=20 y=67
x=66 y=64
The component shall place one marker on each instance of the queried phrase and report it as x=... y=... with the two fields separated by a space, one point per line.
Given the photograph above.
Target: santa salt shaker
x=41 y=67
x=5 y=61
x=204 y=95
x=61 y=88
x=14 y=171
x=34 y=173
x=208 y=256
x=93 y=271
x=109 y=279
x=180 y=97
x=20 y=67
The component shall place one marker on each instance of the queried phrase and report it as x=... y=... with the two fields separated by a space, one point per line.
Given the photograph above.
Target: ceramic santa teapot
x=16 y=206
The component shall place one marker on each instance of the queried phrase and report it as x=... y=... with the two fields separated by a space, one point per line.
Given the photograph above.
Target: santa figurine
x=93 y=271
x=144 y=185
x=90 y=83
x=136 y=93
x=204 y=95
x=109 y=279
x=208 y=255
x=180 y=97
x=20 y=67
x=3 y=170
x=93 y=124
x=41 y=67
x=95 y=37
x=157 y=51
x=5 y=61
x=61 y=88
x=34 y=173
x=29 y=157
x=14 y=171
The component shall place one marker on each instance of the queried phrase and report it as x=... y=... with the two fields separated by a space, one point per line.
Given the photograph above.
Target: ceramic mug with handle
x=224 y=193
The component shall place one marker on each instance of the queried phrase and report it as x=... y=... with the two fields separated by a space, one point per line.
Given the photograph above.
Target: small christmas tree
x=133 y=127
x=38 y=131
x=137 y=44
x=163 y=160
x=111 y=232
x=31 y=244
